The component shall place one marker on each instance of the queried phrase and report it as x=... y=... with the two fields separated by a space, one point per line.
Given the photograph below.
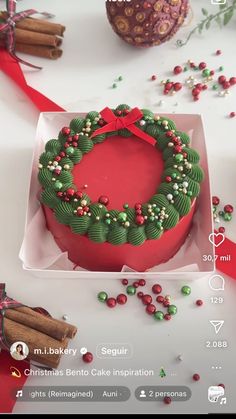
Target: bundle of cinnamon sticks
x=45 y=337
x=37 y=37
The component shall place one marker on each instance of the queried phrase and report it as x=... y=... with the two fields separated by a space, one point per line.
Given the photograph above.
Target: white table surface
x=80 y=81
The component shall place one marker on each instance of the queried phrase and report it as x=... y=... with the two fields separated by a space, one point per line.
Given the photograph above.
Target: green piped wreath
x=180 y=182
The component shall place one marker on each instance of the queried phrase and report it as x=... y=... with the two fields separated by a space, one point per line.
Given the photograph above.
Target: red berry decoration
x=88 y=357
x=177 y=69
x=221 y=79
x=221 y=230
x=160 y=299
x=104 y=200
x=125 y=282
x=154 y=77
x=111 y=302
x=121 y=299
x=140 y=294
x=196 y=377
x=168 y=179
x=169 y=85
x=232 y=114
x=198 y=86
x=65 y=131
x=136 y=284
x=166 y=303
x=57 y=158
x=147 y=299
x=215 y=200
x=199 y=303
x=150 y=309
x=140 y=220
x=167 y=400
x=62 y=154
x=229 y=208
x=202 y=65
x=167 y=316
x=80 y=212
x=70 y=192
x=177 y=86
x=156 y=289
x=142 y=282
x=232 y=81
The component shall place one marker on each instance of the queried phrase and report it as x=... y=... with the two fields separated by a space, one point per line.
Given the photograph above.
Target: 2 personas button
x=114 y=351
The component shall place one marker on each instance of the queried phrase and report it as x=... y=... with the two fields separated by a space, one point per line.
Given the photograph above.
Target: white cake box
x=41 y=256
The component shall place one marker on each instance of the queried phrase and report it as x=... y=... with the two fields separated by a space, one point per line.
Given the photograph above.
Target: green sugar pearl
x=172 y=310
x=120 y=78
x=159 y=315
x=102 y=296
x=114 y=86
x=122 y=217
x=186 y=290
x=206 y=72
x=131 y=290
x=126 y=206
x=221 y=68
x=215 y=86
x=227 y=216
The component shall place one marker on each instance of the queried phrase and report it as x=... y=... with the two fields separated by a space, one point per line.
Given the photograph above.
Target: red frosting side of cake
x=107 y=257
x=127 y=170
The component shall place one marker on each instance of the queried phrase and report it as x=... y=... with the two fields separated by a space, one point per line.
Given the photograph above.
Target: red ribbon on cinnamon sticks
x=116 y=123
x=5 y=303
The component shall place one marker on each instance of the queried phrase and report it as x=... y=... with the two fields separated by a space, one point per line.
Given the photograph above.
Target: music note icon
x=19 y=393
x=223 y=400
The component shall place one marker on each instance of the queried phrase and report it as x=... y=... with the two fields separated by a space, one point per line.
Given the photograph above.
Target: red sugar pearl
x=140 y=294
x=212 y=72
x=199 y=303
x=168 y=179
x=226 y=85
x=65 y=131
x=202 y=65
x=232 y=114
x=140 y=220
x=121 y=299
x=138 y=206
x=177 y=69
x=111 y=302
x=166 y=303
x=104 y=200
x=204 y=87
x=169 y=85
x=88 y=357
x=196 y=92
x=150 y=309
x=156 y=289
x=221 y=79
x=167 y=400
x=147 y=299
x=232 y=80
x=167 y=317
x=154 y=77
x=177 y=86
x=196 y=98
x=160 y=299
x=229 y=208
x=57 y=158
x=142 y=282
x=196 y=377
x=215 y=200
x=125 y=282
x=198 y=86
x=136 y=284
x=221 y=230
x=218 y=52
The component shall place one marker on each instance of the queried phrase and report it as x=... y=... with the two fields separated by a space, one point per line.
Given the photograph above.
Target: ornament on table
x=146 y=23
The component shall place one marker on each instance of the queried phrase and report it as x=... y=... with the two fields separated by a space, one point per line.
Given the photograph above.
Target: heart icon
x=216 y=239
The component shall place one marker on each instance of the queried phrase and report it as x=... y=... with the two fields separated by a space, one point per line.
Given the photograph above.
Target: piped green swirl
x=136 y=236
x=117 y=235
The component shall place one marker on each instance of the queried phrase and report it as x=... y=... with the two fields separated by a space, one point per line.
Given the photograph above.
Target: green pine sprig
x=222 y=18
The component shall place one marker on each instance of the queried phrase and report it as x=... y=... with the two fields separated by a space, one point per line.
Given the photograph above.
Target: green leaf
x=228 y=16
x=208 y=24
x=204 y=12
x=200 y=27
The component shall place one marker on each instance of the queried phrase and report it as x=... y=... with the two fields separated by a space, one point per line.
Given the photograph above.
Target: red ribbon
x=13 y=70
x=116 y=123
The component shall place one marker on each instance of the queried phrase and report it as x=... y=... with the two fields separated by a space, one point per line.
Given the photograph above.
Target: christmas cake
x=119 y=188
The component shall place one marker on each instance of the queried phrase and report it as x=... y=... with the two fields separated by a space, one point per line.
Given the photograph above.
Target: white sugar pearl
x=142 y=123
x=169 y=197
x=185 y=184
x=175 y=187
x=65 y=317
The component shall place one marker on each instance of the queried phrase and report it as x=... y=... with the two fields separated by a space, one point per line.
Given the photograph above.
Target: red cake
x=119 y=188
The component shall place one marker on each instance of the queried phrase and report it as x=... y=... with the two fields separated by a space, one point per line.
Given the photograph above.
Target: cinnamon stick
x=36 y=38
x=72 y=330
x=39 y=25
x=41 y=323
x=37 y=50
x=38 y=343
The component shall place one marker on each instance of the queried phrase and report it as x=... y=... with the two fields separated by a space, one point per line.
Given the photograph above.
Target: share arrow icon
x=217 y=324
